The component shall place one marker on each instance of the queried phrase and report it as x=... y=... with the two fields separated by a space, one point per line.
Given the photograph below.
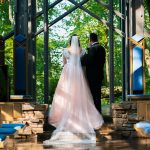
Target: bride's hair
x=71 y=39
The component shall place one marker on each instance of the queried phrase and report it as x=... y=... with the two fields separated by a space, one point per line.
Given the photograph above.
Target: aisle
x=120 y=144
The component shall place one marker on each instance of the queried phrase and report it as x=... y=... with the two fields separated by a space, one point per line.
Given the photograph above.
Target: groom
x=94 y=62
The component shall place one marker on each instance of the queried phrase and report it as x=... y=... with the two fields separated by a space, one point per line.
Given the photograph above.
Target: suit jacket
x=94 y=61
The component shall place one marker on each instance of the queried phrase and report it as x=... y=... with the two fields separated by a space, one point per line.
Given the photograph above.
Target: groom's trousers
x=96 y=94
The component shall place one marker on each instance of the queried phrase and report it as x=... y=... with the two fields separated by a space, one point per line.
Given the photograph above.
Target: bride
x=73 y=112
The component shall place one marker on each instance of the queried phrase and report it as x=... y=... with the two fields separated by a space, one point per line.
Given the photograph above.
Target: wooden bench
x=143 y=129
x=12 y=129
x=138 y=97
x=143 y=105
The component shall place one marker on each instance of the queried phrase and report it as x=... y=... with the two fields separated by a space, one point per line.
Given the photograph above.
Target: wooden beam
x=61 y=17
x=7 y=36
x=117 y=13
x=89 y=12
x=46 y=53
x=111 y=53
x=103 y=4
x=49 y=7
x=119 y=32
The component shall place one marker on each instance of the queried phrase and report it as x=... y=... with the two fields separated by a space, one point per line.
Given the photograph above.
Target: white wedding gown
x=73 y=112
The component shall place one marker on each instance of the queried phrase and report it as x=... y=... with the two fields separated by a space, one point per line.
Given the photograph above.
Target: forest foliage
x=77 y=22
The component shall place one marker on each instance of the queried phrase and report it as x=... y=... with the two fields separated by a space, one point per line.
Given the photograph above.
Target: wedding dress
x=73 y=112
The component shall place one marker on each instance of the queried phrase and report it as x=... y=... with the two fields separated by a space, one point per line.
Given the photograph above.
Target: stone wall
x=32 y=115
x=124 y=117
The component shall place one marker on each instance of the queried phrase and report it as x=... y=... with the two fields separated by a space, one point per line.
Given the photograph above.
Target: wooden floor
x=112 y=141
x=31 y=143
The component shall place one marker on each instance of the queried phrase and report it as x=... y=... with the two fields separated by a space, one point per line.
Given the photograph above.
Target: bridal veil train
x=73 y=112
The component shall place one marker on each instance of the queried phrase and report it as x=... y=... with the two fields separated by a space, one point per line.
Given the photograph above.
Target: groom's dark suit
x=94 y=61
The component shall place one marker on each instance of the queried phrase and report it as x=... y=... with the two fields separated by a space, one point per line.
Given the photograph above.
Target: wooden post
x=25 y=12
x=131 y=68
x=2 y=46
x=144 y=81
x=135 y=25
x=137 y=43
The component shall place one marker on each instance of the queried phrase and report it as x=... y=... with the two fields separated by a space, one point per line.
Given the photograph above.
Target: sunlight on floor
x=114 y=144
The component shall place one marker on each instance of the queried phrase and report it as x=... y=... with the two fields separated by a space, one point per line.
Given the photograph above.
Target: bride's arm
x=64 y=60
x=88 y=58
x=64 y=57
x=83 y=52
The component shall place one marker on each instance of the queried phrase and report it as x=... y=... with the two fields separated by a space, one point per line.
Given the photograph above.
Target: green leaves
x=78 y=22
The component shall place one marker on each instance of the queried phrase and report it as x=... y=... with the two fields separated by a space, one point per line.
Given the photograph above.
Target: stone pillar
x=124 y=118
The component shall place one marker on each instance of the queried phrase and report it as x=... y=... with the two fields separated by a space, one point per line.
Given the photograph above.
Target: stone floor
x=31 y=143
x=112 y=141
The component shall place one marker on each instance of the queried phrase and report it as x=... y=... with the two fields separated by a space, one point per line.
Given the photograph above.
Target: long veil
x=75 y=52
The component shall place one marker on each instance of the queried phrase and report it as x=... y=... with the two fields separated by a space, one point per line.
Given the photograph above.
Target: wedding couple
x=76 y=106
